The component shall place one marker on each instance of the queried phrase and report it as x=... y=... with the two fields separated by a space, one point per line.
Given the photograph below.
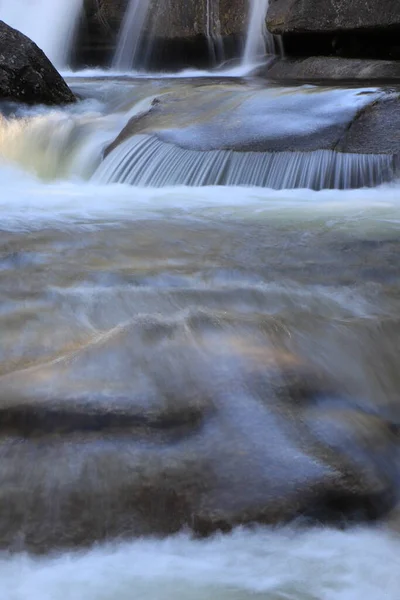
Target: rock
x=173 y=36
x=228 y=117
x=324 y=68
x=232 y=427
x=26 y=74
x=255 y=136
x=359 y=29
x=376 y=129
x=297 y=16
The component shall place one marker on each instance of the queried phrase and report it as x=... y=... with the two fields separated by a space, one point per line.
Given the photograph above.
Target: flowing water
x=51 y=24
x=127 y=54
x=112 y=290
x=259 y=41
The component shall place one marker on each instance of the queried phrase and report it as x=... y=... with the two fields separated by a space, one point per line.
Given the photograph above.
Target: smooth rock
x=167 y=424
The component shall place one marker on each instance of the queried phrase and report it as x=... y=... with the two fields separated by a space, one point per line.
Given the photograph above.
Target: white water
x=147 y=161
x=259 y=41
x=49 y=23
x=127 y=52
x=264 y=564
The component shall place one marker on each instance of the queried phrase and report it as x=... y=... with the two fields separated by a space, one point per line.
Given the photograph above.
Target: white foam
x=273 y=565
x=28 y=203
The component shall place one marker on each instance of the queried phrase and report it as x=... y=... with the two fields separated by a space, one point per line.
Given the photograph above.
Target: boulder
x=356 y=29
x=298 y=16
x=26 y=74
x=326 y=68
x=231 y=427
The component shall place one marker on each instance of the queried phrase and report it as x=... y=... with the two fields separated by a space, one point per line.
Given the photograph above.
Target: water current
x=176 y=292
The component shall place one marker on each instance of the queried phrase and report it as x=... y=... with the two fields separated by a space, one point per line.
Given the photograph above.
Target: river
x=182 y=268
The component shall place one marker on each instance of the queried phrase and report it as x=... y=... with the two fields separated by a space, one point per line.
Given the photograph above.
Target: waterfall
x=259 y=41
x=213 y=32
x=147 y=161
x=49 y=23
x=126 y=54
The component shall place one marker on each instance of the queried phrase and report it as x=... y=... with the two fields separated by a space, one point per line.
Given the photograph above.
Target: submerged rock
x=188 y=422
x=26 y=74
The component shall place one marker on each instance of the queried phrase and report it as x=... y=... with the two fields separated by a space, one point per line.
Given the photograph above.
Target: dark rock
x=172 y=37
x=332 y=15
x=356 y=29
x=26 y=74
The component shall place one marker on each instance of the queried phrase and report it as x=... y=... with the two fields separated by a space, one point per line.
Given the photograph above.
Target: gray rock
x=26 y=74
x=324 y=68
x=376 y=129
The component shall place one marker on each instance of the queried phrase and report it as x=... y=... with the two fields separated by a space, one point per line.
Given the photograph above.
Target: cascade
x=50 y=24
x=147 y=161
x=258 y=40
x=126 y=54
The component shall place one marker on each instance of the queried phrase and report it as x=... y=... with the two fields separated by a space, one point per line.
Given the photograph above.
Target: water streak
x=147 y=161
x=213 y=32
x=50 y=24
x=259 y=41
x=127 y=52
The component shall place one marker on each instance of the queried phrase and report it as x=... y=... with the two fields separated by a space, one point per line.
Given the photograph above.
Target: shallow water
x=312 y=273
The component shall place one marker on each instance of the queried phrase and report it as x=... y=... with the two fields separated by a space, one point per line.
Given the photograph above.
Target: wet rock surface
x=189 y=422
x=26 y=74
x=241 y=118
x=173 y=36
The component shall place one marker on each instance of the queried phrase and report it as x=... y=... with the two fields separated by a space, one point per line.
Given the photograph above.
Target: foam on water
x=270 y=564
x=28 y=203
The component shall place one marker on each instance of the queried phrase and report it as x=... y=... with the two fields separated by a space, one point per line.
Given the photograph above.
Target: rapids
x=182 y=287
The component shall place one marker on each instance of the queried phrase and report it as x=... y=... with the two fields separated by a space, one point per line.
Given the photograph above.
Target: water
x=259 y=41
x=272 y=565
x=204 y=308
x=33 y=18
x=127 y=52
x=147 y=161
